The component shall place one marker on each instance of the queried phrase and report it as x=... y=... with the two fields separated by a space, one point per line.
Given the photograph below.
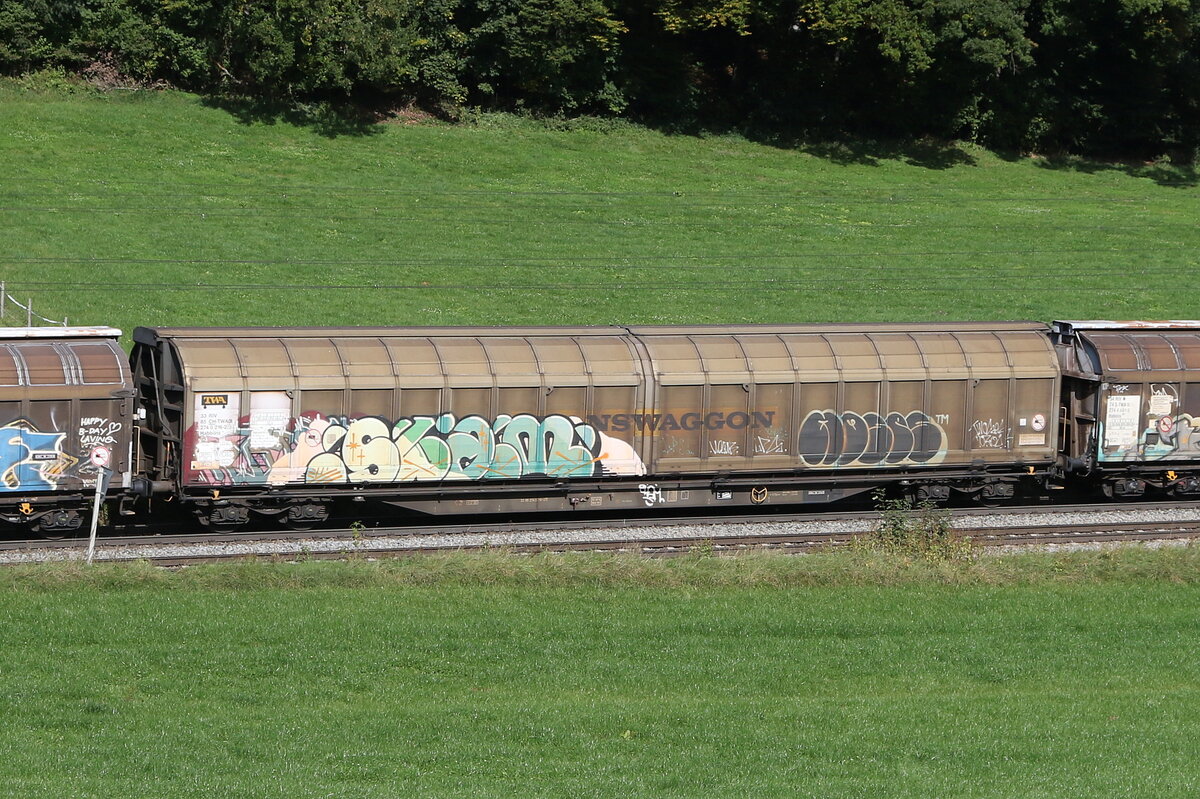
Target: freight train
x=300 y=425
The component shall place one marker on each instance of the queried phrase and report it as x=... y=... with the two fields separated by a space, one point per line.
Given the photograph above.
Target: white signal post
x=100 y=459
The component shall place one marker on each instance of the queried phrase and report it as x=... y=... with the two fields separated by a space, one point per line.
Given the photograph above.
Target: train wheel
x=306 y=516
x=994 y=495
x=935 y=495
x=57 y=524
x=224 y=518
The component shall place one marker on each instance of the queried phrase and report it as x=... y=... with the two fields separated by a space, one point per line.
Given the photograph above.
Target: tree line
x=1113 y=78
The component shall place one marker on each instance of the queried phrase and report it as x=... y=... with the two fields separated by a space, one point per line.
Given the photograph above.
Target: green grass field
x=157 y=208
x=817 y=677
x=839 y=676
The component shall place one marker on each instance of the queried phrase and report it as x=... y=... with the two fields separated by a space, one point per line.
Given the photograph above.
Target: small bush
x=53 y=80
x=923 y=531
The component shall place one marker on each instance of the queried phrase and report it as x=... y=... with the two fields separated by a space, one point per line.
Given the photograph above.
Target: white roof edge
x=1107 y=324
x=59 y=332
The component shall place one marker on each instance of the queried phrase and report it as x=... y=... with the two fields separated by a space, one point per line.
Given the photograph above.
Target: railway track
x=661 y=537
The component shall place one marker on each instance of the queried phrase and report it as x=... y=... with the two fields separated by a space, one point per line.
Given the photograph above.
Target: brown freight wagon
x=66 y=421
x=1131 y=404
x=454 y=420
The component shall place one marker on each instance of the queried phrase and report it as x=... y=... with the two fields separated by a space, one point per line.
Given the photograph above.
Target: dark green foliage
x=315 y=48
x=555 y=56
x=1107 y=77
x=37 y=33
x=1116 y=76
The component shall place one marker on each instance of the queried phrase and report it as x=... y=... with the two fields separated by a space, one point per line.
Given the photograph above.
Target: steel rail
x=450 y=527
x=988 y=537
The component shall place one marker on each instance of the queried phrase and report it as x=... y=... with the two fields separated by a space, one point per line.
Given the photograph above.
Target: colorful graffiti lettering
x=374 y=450
x=31 y=460
x=828 y=438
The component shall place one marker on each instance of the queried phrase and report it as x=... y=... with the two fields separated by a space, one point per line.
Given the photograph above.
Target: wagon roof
x=59 y=332
x=1127 y=352
x=1108 y=324
x=151 y=334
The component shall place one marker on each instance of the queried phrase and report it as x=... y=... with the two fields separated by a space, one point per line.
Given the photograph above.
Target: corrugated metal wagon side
x=289 y=421
x=815 y=413
x=451 y=420
x=1131 y=404
x=66 y=421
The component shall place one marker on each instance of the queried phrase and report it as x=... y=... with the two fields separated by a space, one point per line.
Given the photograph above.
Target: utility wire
x=459 y=221
x=621 y=284
x=866 y=227
x=859 y=196
x=569 y=261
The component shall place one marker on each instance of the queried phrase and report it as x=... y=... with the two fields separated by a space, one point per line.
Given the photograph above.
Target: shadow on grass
x=327 y=119
x=924 y=153
x=1164 y=174
x=333 y=120
x=927 y=153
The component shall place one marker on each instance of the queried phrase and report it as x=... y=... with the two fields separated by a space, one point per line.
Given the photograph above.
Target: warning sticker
x=101 y=455
x=1039 y=422
x=1122 y=422
x=1161 y=404
x=216 y=421
x=270 y=413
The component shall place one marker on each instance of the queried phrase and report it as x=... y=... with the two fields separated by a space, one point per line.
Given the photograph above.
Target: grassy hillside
x=155 y=208
x=604 y=676
x=823 y=676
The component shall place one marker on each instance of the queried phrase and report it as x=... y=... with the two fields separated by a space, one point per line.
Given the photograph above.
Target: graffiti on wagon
x=31 y=459
x=372 y=449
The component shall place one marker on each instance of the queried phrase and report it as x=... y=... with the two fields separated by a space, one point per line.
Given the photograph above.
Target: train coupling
x=144 y=487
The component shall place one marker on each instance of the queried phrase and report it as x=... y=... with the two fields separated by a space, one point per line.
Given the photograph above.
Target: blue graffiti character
x=24 y=455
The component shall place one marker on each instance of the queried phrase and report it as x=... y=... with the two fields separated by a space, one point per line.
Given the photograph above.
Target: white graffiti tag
x=990 y=434
x=651 y=494
x=95 y=431
x=769 y=446
x=723 y=448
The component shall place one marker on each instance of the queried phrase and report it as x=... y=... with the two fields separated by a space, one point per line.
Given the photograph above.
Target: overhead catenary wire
x=864 y=227
x=716 y=261
x=622 y=284
x=277 y=187
x=461 y=222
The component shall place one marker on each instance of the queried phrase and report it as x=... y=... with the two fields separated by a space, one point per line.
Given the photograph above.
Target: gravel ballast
x=632 y=534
